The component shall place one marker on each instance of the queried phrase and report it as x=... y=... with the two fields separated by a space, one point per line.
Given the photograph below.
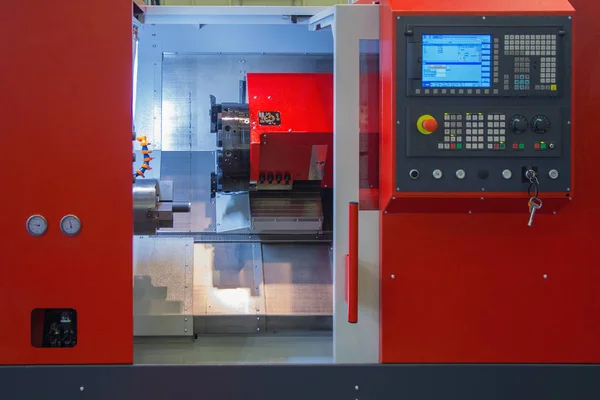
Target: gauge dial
x=70 y=225
x=36 y=225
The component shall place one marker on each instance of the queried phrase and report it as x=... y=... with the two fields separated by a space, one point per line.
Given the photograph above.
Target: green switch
x=521 y=146
x=543 y=146
x=459 y=145
x=502 y=146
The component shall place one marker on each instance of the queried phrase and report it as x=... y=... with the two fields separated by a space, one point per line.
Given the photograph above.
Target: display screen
x=457 y=61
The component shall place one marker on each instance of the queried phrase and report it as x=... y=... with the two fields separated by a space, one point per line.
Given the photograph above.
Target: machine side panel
x=66 y=113
x=488 y=288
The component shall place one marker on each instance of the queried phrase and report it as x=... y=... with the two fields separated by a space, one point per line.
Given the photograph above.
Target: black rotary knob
x=518 y=124
x=540 y=124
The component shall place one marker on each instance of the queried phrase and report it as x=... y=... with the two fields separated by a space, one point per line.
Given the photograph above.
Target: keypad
x=548 y=70
x=521 y=82
x=496 y=131
x=475 y=139
x=474 y=131
x=530 y=45
x=454 y=125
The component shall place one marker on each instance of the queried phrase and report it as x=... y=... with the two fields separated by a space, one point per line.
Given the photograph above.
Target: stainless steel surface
x=144 y=194
x=229 y=14
x=224 y=281
x=153 y=207
x=218 y=77
x=144 y=202
x=233 y=212
x=231 y=295
x=181 y=207
x=227 y=289
x=318 y=159
x=286 y=212
x=238 y=349
x=165 y=190
x=259 y=287
x=163 y=278
x=189 y=79
x=230 y=124
x=190 y=174
x=205 y=237
x=242 y=94
x=298 y=279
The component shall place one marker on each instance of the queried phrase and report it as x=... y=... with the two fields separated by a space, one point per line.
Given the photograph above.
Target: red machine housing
x=66 y=94
x=459 y=287
x=303 y=104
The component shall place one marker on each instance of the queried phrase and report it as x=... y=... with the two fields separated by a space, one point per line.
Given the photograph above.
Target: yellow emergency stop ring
x=420 y=121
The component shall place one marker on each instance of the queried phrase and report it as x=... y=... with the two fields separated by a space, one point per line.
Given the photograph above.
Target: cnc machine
x=404 y=190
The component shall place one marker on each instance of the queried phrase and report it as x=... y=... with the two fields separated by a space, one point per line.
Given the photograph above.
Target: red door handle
x=352 y=263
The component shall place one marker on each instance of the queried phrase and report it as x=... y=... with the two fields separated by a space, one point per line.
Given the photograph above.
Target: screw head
x=393 y=276
x=545 y=276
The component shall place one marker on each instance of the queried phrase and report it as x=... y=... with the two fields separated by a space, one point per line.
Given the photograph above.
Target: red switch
x=515 y=146
x=430 y=125
x=536 y=146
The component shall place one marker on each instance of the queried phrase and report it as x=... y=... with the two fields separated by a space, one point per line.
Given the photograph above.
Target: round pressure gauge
x=36 y=225
x=70 y=225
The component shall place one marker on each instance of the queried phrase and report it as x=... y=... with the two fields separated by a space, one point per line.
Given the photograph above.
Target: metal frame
x=349 y=25
x=229 y=14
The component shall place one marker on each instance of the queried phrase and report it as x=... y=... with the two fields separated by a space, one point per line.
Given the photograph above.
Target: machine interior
x=215 y=287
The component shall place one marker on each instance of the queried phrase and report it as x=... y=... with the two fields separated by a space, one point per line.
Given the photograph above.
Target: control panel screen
x=457 y=61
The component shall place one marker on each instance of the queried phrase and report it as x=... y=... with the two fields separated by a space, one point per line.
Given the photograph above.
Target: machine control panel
x=492 y=61
x=484 y=132
x=482 y=100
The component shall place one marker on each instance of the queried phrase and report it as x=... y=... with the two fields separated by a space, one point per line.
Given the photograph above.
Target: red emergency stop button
x=427 y=124
x=430 y=125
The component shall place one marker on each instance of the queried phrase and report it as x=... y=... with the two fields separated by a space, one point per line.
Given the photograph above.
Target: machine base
x=410 y=382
